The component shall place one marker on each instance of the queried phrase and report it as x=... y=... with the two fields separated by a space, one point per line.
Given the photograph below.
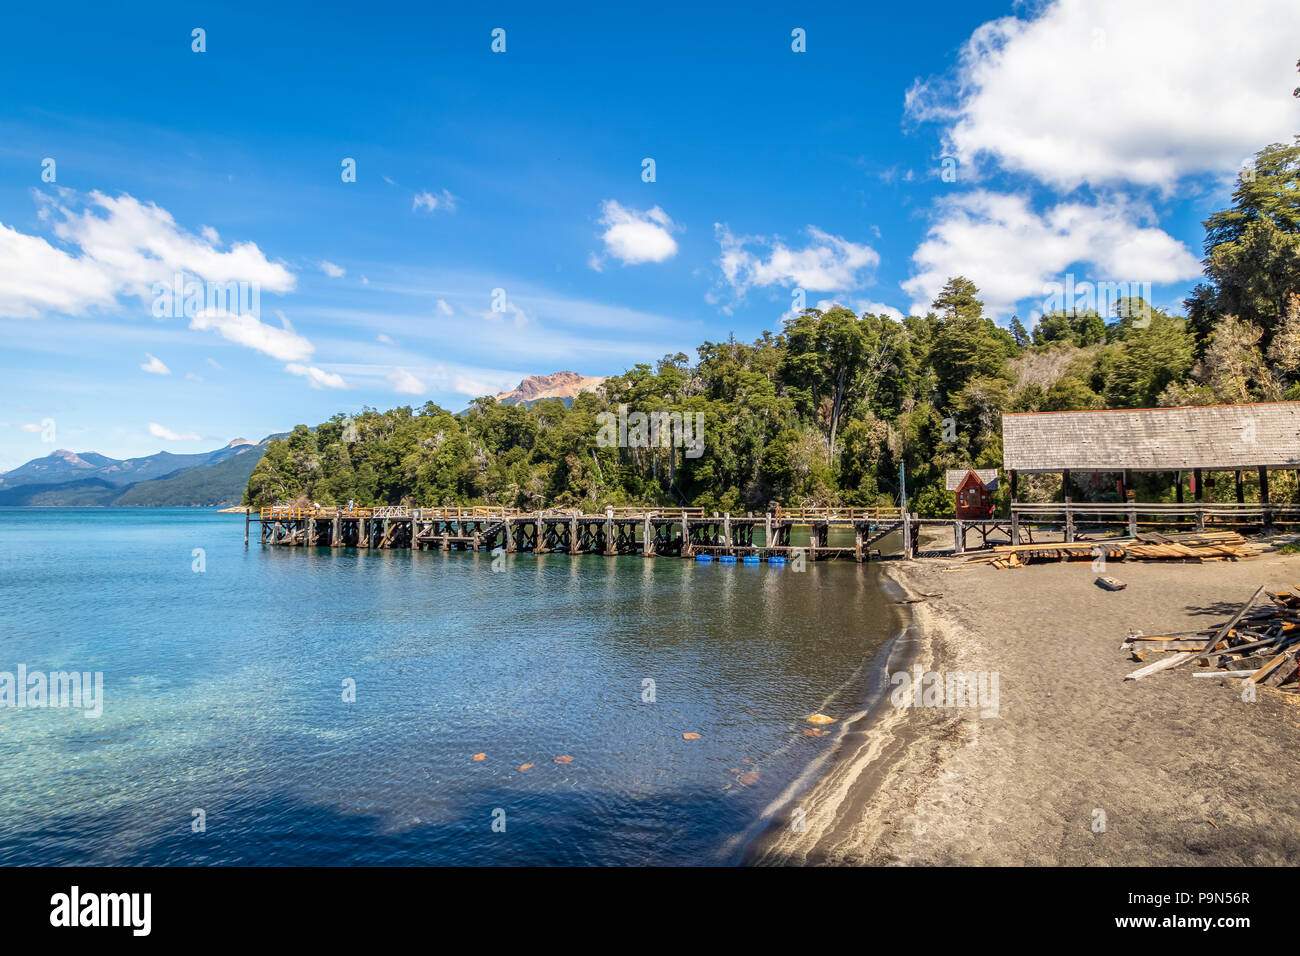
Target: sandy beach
x=1079 y=767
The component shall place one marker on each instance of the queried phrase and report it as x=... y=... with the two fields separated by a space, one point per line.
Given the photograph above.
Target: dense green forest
x=826 y=411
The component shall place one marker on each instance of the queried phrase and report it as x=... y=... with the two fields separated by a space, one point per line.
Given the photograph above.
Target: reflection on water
x=224 y=693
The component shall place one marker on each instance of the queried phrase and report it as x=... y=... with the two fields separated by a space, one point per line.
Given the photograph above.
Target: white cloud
x=331 y=270
x=1009 y=251
x=434 y=202
x=29 y=427
x=633 y=236
x=315 y=377
x=498 y=317
x=1107 y=91
x=387 y=340
x=443 y=307
x=859 y=306
x=419 y=376
x=155 y=366
x=193 y=378
x=283 y=343
x=122 y=247
x=140 y=244
x=474 y=387
x=879 y=308
x=158 y=431
x=404 y=383
x=826 y=264
x=35 y=278
x=541 y=326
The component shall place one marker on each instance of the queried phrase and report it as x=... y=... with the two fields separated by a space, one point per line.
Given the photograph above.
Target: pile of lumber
x=1258 y=644
x=1194 y=546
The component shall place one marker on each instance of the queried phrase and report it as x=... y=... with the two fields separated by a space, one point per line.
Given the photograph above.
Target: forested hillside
x=826 y=410
x=209 y=486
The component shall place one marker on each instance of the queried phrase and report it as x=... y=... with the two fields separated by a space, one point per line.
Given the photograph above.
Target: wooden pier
x=691 y=533
x=677 y=532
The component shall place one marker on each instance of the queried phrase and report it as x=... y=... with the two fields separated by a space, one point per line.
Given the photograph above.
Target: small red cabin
x=974 y=490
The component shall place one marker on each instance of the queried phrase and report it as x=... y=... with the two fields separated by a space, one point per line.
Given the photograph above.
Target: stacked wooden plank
x=1194 y=546
x=1258 y=644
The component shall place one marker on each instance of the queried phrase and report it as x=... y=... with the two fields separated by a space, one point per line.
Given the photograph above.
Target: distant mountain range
x=209 y=479
x=205 y=480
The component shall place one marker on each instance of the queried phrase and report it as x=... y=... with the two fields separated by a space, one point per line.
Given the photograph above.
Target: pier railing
x=1133 y=515
x=838 y=514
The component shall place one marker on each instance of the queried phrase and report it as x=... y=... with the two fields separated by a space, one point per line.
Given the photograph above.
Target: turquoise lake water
x=223 y=692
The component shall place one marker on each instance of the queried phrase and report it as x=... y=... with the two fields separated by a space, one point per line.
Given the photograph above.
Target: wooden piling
x=1263 y=499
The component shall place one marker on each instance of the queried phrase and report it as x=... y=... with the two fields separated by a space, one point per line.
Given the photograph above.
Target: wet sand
x=1079 y=767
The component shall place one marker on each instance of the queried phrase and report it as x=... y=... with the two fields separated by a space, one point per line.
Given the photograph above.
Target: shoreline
x=748 y=847
x=1080 y=767
x=842 y=806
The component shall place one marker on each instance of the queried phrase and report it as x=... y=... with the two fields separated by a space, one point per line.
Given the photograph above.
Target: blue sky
x=1085 y=138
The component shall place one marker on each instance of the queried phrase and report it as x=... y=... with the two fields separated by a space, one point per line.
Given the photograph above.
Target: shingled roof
x=1225 y=437
x=953 y=477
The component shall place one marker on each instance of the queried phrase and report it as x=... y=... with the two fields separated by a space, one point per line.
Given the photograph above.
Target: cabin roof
x=1225 y=437
x=953 y=477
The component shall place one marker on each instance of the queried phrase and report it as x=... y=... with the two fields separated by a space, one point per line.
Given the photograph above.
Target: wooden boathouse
x=1190 y=443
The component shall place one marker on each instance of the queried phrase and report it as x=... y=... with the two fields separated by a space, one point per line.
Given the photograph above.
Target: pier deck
x=677 y=532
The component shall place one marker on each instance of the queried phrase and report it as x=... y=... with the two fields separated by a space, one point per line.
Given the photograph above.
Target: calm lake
x=224 y=693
